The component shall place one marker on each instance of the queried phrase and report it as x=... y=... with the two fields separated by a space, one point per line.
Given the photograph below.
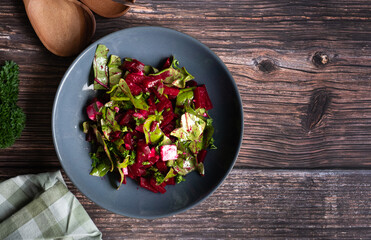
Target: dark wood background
x=303 y=70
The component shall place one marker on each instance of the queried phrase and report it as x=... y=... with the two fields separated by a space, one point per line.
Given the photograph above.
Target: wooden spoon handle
x=107 y=8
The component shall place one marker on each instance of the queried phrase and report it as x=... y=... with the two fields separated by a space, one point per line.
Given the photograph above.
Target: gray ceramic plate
x=150 y=45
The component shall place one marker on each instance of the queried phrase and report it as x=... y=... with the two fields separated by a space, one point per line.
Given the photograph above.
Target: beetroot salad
x=150 y=124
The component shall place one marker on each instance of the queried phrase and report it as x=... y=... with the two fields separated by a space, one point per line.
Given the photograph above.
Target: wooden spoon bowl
x=107 y=8
x=65 y=27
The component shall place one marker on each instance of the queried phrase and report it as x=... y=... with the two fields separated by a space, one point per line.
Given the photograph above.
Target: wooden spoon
x=107 y=8
x=65 y=27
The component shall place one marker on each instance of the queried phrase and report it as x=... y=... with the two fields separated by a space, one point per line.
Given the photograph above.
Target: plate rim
x=184 y=35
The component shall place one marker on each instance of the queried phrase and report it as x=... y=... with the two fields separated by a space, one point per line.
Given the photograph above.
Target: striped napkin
x=41 y=207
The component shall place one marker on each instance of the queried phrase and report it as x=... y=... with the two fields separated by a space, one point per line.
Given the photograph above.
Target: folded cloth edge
x=51 y=204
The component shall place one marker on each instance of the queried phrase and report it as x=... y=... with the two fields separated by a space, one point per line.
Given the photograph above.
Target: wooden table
x=304 y=74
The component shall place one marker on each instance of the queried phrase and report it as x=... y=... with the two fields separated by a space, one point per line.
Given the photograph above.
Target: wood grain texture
x=249 y=36
x=262 y=204
x=259 y=204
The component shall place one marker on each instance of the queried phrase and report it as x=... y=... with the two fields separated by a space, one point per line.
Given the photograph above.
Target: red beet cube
x=93 y=110
x=201 y=98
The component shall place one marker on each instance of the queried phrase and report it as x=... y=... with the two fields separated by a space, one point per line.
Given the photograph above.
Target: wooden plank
x=257 y=204
x=268 y=47
x=267 y=204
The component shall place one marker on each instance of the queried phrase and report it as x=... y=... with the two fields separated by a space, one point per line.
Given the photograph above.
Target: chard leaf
x=114 y=70
x=170 y=163
x=100 y=170
x=187 y=166
x=182 y=77
x=152 y=137
x=174 y=75
x=125 y=163
x=100 y=67
x=150 y=70
x=196 y=146
x=191 y=127
x=184 y=98
x=165 y=141
x=124 y=98
x=170 y=174
x=200 y=168
x=85 y=126
x=110 y=116
x=208 y=134
x=113 y=89
x=106 y=129
x=137 y=102
x=198 y=112
x=122 y=176
x=100 y=139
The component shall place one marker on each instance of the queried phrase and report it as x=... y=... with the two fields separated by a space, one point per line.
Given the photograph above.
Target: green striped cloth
x=41 y=207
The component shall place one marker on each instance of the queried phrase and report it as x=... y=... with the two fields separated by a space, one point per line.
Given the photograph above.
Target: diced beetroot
x=191 y=83
x=128 y=117
x=161 y=165
x=164 y=104
x=172 y=97
x=151 y=100
x=168 y=152
x=93 y=110
x=151 y=81
x=161 y=105
x=139 y=128
x=172 y=91
x=167 y=63
x=130 y=173
x=124 y=180
x=201 y=156
x=115 y=135
x=168 y=117
x=152 y=109
x=129 y=141
x=201 y=98
x=160 y=87
x=135 y=78
x=152 y=158
x=144 y=182
x=168 y=128
x=158 y=95
x=90 y=136
x=136 y=170
x=154 y=82
x=137 y=134
x=143 y=151
x=134 y=66
x=170 y=181
x=125 y=171
x=152 y=153
x=159 y=188
x=164 y=75
x=134 y=89
x=142 y=114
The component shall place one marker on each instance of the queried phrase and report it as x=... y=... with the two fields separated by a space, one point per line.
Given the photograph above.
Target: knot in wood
x=267 y=66
x=320 y=59
x=317 y=107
